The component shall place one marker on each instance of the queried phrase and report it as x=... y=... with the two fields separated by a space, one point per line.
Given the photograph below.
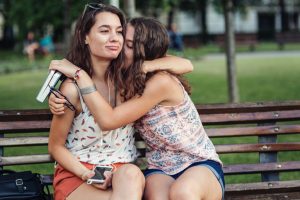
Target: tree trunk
x=67 y=28
x=283 y=16
x=129 y=8
x=114 y=3
x=203 y=8
x=230 y=51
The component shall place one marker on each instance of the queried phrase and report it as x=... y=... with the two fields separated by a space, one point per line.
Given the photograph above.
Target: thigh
x=158 y=187
x=201 y=181
x=85 y=191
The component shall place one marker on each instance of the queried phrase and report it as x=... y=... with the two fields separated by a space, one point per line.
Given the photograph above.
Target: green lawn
x=259 y=79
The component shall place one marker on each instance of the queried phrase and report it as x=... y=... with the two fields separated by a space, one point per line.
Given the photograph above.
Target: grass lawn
x=259 y=79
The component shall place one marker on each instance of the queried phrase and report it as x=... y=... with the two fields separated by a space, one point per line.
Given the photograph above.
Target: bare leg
x=85 y=191
x=158 y=187
x=128 y=183
x=202 y=184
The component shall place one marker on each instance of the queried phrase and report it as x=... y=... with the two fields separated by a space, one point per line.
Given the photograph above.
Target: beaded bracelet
x=88 y=90
x=76 y=75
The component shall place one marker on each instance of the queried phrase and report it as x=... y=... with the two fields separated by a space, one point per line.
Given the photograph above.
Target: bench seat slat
x=258 y=117
x=253 y=131
x=261 y=167
x=25 y=126
x=26 y=159
x=268 y=147
x=265 y=187
x=23 y=141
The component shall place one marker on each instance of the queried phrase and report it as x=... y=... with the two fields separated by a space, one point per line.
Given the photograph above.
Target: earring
x=85 y=42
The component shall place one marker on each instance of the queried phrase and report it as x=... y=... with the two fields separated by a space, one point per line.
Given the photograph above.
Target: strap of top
x=84 y=107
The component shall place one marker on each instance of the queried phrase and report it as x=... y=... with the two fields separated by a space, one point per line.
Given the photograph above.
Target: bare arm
x=158 y=89
x=60 y=127
x=174 y=64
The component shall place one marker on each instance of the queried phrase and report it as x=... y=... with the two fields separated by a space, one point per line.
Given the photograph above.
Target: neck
x=99 y=68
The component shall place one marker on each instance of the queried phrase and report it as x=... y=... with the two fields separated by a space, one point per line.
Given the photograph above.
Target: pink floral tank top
x=175 y=137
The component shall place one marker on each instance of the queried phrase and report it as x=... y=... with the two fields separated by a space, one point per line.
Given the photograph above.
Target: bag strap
x=7 y=171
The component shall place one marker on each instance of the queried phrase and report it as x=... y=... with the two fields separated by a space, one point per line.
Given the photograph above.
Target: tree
x=129 y=8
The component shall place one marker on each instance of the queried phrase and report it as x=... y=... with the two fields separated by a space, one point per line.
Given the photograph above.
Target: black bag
x=21 y=185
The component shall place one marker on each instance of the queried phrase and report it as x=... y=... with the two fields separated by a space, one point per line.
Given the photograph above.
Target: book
x=51 y=80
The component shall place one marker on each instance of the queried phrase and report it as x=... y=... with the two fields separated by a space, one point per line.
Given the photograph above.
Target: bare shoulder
x=161 y=79
x=69 y=89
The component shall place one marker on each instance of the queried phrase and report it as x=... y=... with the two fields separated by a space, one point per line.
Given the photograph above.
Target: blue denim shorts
x=214 y=166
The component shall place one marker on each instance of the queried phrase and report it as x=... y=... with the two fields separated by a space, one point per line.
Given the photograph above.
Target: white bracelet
x=88 y=90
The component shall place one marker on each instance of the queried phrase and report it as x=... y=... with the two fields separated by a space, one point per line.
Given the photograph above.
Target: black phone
x=99 y=174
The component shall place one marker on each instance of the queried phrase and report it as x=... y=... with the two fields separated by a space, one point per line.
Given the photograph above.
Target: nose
x=115 y=36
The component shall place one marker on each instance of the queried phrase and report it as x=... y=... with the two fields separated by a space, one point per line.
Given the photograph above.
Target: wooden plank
x=273 y=196
x=258 y=117
x=247 y=107
x=261 y=167
x=24 y=126
x=253 y=131
x=23 y=141
x=26 y=159
x=263 y=187
x=247 y=148
x=25 y=115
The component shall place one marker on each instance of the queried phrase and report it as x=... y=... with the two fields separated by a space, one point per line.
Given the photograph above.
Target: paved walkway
x=264 y=54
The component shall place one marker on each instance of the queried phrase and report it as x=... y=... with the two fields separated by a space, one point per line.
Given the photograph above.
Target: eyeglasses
x=68 y=103
x=95 y=6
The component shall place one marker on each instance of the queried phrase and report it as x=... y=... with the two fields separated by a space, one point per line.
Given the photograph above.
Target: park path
x=268 y=54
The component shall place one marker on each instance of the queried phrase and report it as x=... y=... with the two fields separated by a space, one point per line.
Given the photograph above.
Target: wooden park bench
x=260 y=141
x=241 y=39
x=287 y=37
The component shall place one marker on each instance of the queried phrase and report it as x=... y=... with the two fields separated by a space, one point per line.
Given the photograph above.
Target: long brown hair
x=79 y=53
x=150 y=41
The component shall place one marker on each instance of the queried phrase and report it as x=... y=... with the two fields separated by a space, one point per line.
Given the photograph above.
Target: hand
x=64 y=66
x=145 y=66
x=107 y=183
x=56 y=105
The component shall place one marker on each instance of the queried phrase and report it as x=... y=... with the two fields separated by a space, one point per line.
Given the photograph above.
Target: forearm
x=174 y=64
x=68 y=161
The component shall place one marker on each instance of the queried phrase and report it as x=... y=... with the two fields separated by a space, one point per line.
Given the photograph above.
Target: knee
x=132 y=174
x=181 y=192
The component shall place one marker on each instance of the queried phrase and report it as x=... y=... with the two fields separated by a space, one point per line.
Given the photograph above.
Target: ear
x=86 y=41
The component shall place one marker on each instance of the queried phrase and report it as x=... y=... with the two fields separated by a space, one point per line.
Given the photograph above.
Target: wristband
x=88 y=90
x=76 y=75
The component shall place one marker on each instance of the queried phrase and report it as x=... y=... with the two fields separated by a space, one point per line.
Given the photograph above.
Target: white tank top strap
x=84 y=107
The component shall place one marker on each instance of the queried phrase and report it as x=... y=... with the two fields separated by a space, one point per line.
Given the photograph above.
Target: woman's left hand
x=64 y=66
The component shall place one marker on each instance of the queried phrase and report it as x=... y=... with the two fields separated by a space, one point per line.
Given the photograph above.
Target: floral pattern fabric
x=175 y=137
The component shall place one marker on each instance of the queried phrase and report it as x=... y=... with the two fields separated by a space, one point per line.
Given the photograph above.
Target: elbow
x=190 y=66
x=107 y=125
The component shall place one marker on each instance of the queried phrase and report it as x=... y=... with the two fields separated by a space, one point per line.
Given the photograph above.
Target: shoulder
x=160 y=82
x=161 y=79
x=69 y=90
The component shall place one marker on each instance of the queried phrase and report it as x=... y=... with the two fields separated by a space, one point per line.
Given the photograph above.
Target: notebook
x=51 y=80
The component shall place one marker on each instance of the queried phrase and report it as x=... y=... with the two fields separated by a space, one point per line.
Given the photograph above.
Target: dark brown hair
x=79 y=53
x=150 y=41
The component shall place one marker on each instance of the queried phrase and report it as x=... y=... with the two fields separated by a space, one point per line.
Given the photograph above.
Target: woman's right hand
x=56 y=105
x=64 y=66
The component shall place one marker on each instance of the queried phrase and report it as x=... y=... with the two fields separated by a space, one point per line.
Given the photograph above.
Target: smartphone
x=99 y=174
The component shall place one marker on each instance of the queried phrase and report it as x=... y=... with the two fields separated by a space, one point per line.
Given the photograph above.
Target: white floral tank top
x=88 y=143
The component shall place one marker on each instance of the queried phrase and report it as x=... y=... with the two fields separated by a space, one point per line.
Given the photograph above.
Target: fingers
x=56 y=105
x=87 y=174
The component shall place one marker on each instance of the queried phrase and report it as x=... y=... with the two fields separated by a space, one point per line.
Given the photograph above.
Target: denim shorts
x=214 y=166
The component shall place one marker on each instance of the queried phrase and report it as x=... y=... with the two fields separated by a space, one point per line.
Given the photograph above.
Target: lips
x=113 y=48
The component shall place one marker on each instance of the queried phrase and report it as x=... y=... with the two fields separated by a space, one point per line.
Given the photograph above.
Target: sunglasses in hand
x=68 y=103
